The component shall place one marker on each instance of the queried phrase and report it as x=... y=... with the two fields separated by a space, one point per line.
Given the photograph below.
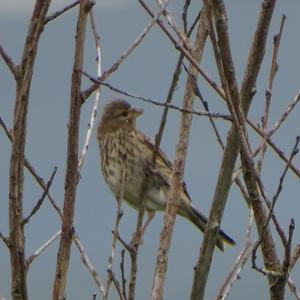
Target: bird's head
x=118 y=114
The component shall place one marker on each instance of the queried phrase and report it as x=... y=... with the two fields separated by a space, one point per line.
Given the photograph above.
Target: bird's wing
x=162 y=161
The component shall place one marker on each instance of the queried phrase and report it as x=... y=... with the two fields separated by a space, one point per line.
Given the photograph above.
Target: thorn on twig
x=291 y=229
x=121 y=213
x=268 y=93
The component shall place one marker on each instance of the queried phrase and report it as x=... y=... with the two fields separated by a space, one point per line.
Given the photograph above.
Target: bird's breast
x=121 y=160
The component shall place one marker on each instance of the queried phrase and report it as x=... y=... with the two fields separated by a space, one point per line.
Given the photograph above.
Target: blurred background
x=147 y=72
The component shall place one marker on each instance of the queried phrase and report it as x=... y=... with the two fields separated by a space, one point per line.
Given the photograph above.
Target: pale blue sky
x=148 y=72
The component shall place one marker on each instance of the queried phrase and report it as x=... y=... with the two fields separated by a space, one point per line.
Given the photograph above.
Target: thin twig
x=176 y=180
x=127 y=246
x=84 y=257
x=211 y=120
x=277 y=150
x=276 y=41
x=185 y=52
x=86 y=261
x=184 y=15
x=295 y=256
x=116 y=283
x=287 y=250
x=61 y=11
x=293 y=288
x=41 y=200
x=167 y=103
x=9 y=62
x=4 y=239
x=240 y=262
x=157 y=102
x=282 y=118
x=220 y=142
x=275 y=197
x=86 y=93
x=97 y=96
x=181 y=34
x=119 y=214
x=268 y=93
x=32 y=257
x=122 y=267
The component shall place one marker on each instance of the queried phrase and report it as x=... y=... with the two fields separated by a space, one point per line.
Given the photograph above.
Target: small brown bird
x=127 y=153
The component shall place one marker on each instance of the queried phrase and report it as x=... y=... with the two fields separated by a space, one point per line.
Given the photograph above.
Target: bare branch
x=86 y=261
x=282 y=118
x=97 y=96
x=9 y=62
x=235 y=135
x=61 y=11
x=170 y=19
x=122 y=267
x=41 y=200
x=71 y=177
x=295 y=256
x=158 y=102
x=119 y=214
x=293 y=288
x=85 y=94
x=176 y=181
x=84 y=257
x=32 y=257
x=16 y=180
x=185 y=52
x=276 y=42
x=139 y=230
x=116 y=283
x=184 y=15
x=287 y=253
x=268 y=93
x=158 y=136
x=4 y=239
x=239 y=263
x=286 y=242
x=274 y=147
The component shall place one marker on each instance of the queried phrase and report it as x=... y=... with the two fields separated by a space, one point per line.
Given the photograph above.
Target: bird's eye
x=124 y=114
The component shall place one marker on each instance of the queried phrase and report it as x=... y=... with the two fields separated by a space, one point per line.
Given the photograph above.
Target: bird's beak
x=136 y=112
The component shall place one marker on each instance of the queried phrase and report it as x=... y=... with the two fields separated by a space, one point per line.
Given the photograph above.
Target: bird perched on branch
x=126 y=155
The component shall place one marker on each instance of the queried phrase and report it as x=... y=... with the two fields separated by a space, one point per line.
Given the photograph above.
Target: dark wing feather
x=161 y=161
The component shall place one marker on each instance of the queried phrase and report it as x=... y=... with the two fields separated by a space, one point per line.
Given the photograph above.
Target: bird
x=126 y=161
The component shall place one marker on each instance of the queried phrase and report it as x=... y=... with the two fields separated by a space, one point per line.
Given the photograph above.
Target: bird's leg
x=137 y=238
x=151 y=215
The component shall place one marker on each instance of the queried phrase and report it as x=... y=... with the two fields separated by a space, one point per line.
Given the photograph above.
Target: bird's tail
x=199 y=220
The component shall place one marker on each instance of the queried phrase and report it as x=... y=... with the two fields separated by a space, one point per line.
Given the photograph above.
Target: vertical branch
x=97 y=96
x=178 y=169
x=233 y=144
x=71 y=177
x=268 y=93
x=23 y=83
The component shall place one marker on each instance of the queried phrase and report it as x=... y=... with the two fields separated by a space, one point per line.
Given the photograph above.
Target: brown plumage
x=124 y=148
